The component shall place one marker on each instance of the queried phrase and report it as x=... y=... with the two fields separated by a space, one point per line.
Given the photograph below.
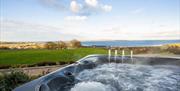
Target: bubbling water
x=127 y=77
x=92 y=86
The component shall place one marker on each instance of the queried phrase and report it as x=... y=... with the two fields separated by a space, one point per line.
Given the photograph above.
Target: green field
x=33 y=56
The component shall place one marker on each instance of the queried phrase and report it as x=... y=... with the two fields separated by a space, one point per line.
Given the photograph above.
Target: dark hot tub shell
x=65 y=78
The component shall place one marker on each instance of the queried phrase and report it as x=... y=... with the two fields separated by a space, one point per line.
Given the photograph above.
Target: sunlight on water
x=127 y=77
x=92 y=86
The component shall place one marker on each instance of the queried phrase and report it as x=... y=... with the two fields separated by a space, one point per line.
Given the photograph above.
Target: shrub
x=46 y=63
x=10 y=81
x=4 y=66
x=71 y=62
x=61 y=45
x=50 y=45
x=31 y=65
x=172 y=48
x=74 y=44
x=62 y=62
x=55 y=45
x=4 y=47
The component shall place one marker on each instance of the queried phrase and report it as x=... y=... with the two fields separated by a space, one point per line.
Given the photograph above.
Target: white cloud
x=78 y=7
x=22 y=31
x=76 y=18
x=96 y=7
x=106 y=8
x=140 y=32
x=92 y=3
x=75 y=7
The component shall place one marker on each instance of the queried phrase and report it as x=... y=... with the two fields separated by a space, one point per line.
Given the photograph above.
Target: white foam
x=91 y=86
x=127 y=77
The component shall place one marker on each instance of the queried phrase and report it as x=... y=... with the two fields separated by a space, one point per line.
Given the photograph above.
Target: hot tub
x=111 y=73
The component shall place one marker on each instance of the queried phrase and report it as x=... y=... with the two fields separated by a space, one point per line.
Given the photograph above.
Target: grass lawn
x=13 y=57
x=34 y=56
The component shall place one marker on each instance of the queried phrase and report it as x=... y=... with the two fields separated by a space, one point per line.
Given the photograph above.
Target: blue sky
x=44 y=20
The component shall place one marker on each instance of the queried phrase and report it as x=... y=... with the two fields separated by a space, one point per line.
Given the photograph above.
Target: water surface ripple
x=128 y=77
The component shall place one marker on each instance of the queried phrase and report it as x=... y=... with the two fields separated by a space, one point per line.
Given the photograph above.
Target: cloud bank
x=79 y=8
x=23 y=31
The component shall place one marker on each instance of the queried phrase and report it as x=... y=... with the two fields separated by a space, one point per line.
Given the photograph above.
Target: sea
x=129 y=43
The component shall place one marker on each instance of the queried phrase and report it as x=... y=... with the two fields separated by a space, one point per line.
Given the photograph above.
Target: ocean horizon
x=129 y=43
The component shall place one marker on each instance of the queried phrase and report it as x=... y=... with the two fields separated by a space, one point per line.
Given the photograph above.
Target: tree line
x=63 y=45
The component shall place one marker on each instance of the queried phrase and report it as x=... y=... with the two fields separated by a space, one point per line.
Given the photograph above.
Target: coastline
x=129 y=43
